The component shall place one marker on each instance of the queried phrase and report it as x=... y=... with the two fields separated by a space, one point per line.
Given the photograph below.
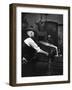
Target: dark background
x=49 y=28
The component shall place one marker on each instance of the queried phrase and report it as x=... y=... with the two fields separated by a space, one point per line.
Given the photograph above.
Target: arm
x=42 y=51
x=31 y=43
x=50 y=45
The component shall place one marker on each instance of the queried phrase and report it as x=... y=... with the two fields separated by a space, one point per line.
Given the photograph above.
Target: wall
x=34 y=18
x=4 y=45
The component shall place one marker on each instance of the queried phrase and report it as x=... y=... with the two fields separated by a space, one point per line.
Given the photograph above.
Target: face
x=30 y=33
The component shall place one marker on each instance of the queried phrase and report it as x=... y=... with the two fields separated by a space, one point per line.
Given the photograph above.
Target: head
x=30 y=33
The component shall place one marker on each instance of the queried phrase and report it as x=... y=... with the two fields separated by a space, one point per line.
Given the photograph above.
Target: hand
x=47 y=53
x=44 y=52
x=24 y=60
x=56 y=55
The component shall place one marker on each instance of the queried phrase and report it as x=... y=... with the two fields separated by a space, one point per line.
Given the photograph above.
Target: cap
x=30 y=29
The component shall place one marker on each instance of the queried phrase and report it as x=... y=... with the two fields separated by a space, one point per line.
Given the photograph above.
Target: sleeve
x=31 y=43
